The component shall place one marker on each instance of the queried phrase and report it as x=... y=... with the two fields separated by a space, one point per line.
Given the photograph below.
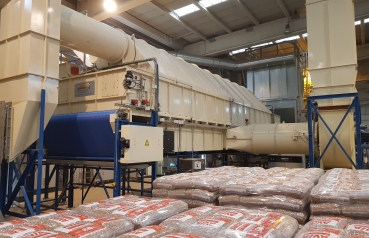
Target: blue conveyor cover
x=82 y=134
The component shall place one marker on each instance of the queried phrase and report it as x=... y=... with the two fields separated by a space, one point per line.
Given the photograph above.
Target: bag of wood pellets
x=254 y=224
x=346 y=175
x=271 y=202
x=191 y=216
x=24 y=230
x=340 y=192
x=149 y=232
x=267 y=186
x=357 y=228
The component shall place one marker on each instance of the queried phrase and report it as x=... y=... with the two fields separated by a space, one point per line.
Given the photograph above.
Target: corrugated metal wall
x=363 y=89
x=280 y=87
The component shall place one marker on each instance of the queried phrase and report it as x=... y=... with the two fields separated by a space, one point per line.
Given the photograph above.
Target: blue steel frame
x=33 y=157
x=354 y=105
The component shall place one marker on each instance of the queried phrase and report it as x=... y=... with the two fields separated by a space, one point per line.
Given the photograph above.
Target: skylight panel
x=288 y=39
x=209 y=3
x=186 y=10
x=255 y=46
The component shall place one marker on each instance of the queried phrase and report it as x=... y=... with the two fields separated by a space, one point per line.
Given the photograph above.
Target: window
x=209 y=3
x=186 y=10
x=255 y=46
x=288 y=39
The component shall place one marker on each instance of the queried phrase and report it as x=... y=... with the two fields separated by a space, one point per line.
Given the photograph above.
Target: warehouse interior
x=184 y=118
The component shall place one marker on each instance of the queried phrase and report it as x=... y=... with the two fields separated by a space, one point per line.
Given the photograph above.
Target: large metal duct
x=232 y=65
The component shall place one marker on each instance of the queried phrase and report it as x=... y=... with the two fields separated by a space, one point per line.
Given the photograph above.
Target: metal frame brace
x=312 y=112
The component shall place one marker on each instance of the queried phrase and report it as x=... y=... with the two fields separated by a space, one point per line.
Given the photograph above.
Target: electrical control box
x=142 y=144
x=191 y=165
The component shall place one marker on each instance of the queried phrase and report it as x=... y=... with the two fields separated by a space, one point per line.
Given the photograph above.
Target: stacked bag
x=342 y=192
x=282 y=190
x=200 y=188
x=106 y=219
x=336 y=227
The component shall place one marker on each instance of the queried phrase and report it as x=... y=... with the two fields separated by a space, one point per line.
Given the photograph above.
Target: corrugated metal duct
x=232 y=65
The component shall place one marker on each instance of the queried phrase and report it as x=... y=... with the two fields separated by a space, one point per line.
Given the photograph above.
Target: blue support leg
x=3 y=184
x=117 y=164
x=102 y=183
x=57 y=173
x=153 y=175
x=359 y=151
x=178 y=164
x=311 y=133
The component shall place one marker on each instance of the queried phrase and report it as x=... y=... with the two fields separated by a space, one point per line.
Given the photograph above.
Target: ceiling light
x=357 y=23
x=366 y=20
x=288 y=39
x=255 y=46
x=110 y=5
x=305 y=35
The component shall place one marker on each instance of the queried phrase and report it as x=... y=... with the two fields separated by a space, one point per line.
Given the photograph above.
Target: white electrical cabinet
x=144 y=144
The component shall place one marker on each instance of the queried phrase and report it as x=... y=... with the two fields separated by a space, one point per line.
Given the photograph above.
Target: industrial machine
x=115 y=114
x=332 y=136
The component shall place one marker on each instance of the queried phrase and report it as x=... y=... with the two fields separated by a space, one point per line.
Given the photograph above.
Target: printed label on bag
x=212 y=223
x=146 y=231
x=67 y=220
x=205 y=209
x=81 y=229
x=358 y=227
x=102 y=220
x=109 y=207
x=322 y=233
x=44 y=234
x=12 y=223
x=234 y=214
x=249 y=230
x=267 y=219
x=21 y=231
x=179 y=235
x=132 y=212
x=184 y=216
x=326 y=221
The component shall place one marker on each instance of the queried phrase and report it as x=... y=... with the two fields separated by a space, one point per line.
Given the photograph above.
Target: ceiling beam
x=123 y=7
x=248 y=13
x=147 y=30
x=283 y=8
x=178 y=19
x=211 y=15
x=262 y=33
x=362 y=29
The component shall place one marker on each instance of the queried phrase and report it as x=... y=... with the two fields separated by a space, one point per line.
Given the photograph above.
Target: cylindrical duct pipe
x=291 y=138
x=232 y=65
x=82 y=33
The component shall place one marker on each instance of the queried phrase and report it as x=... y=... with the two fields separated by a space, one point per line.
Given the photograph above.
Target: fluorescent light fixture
x=255 y=46
x=186 y=10
x=110 y=5
x=209 y=3
x=237 y=51
x=305 y=35
x=366 y=20
x=357 y=23
x=288 y=39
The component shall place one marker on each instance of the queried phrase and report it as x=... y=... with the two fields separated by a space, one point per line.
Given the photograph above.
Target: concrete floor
x=95 y=194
